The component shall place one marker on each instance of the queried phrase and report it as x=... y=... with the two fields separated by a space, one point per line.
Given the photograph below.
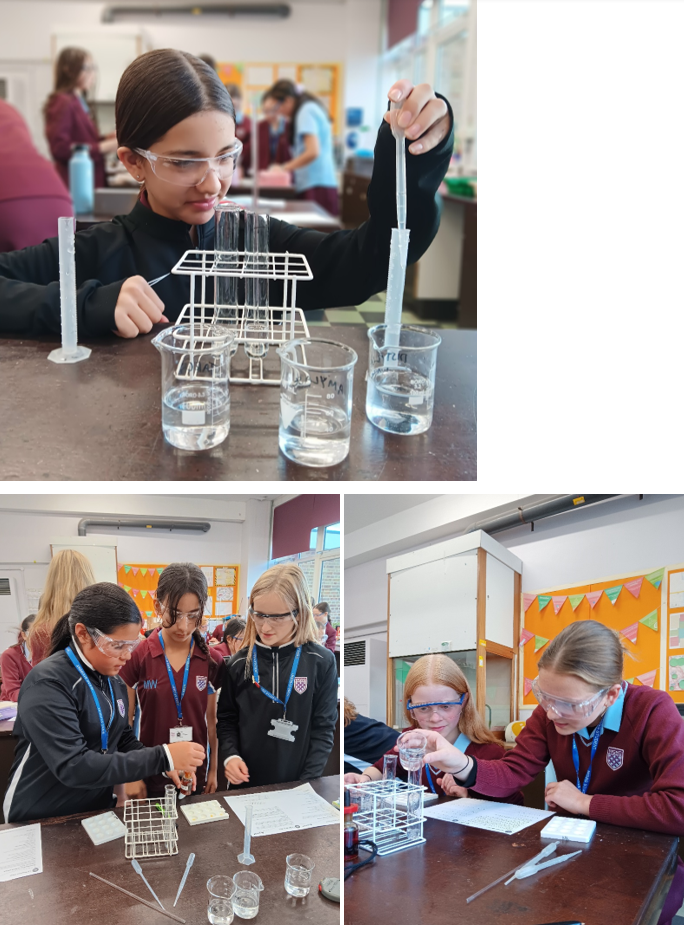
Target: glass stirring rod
x=246 y=857
x=396 y=276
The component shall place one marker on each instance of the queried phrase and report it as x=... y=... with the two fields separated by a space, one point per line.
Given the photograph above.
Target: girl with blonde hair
x=69 y=573
x=437 y=697
x=278 y=703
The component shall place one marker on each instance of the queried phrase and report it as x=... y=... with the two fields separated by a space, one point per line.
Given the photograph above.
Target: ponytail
x=61 y=635
x=104 y=606
x=200 y=642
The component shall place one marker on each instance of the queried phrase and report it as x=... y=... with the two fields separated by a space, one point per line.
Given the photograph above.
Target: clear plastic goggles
x=271 y=617
x=568 y=708
x=194 y=618
x=444 y=707
x=113 y=647
x=191 y=171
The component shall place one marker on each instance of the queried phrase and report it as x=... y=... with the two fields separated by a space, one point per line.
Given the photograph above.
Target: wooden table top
x=621 y=877
x=65 y=893
x=101 y=420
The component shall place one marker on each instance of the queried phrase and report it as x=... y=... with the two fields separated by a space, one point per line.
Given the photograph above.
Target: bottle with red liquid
x=351 y=834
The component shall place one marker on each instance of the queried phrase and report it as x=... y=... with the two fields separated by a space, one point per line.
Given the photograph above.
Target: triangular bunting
x=543 y=600
x=143 y=571
x=159 y=571
x=613 y=593
x=651 y=620
x=135 y=592
x=558 y=602
x=127 y=589
x=593 y=597
x=527 y=600
x=148 y=613
x=527 y=686
x=575 y=600
x=630 y=632
x=127 y=569
x=634 y=586
x=136 y=570
x=648 y=679
x=525 y=636
x=629 y=680
x=655 y=578
x=144 y=594
x=539 y=643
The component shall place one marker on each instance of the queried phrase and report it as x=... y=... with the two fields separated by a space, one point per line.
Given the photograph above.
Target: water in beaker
x=246 y=899
x=412 y=746
x=401 y=379
x=221 y=892
x=195 y=384
x=298 y=875
x=316 y=401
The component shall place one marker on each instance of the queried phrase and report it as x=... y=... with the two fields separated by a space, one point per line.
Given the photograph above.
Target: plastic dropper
x=398 y=245
x=246 y=857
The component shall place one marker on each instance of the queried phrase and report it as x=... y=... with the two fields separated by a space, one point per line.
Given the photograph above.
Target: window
x=321 y=567
x=450 y=9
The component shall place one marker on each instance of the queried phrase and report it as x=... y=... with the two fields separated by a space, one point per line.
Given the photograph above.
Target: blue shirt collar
x=611 y=718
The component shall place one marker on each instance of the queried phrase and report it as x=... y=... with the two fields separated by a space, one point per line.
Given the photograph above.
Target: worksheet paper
x=21 y=852
x=285 y=810
x=485 y=814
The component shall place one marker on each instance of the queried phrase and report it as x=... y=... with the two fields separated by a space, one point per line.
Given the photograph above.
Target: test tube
x=257 y=227
x=227 y=245
x=246 y=857
x=70 y=351
x=389 y=767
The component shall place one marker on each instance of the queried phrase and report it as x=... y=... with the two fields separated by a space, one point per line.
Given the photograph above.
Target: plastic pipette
x=185 y=877
x=529 y=869
x=246 y=857
x=69 y=352
x=398 y=246
x=138 y=869
x=538 y=857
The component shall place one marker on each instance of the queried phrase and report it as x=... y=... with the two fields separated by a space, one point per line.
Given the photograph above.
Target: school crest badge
x=122 y=708
x=300 y=684
x=201 y=682
x=615 y=758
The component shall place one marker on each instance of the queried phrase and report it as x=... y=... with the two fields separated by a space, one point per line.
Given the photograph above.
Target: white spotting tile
x=568 y=829
x=104 y=828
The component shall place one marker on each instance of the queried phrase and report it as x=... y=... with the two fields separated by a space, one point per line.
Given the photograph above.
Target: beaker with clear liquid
x=222 y=890
x=400 y=394
x=246 y=899
x=412 y=747
x=195 y=384
x=317 y=378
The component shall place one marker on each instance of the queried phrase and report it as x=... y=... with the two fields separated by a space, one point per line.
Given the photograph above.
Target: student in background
x=278 y=705
x=68 y=119
x=365 y=739
x=310 y=138
x=69 y=573
x=173 y=676
x=437 y=697
x=233 y=639
x=274 y=146
x=328 y=633
x=74 y=743
x=15 y=663
x=32 y=195
x=617 y=749
x=243 y=127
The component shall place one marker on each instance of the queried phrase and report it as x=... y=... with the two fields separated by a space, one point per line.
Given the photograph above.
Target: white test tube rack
x=390 y=814
x=282 y=323
x=151 y=829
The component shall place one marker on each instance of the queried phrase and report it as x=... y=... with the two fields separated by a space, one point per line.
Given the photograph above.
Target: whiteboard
x=101 y=554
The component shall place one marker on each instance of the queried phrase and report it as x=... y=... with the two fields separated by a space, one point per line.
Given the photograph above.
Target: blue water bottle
x=82 y=180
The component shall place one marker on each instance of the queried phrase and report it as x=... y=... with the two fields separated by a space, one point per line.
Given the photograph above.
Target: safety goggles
x=113 y=647
x=567 y=708
x=237 y=638
x=443 y=707
x=194 y=618
x=272 y=617
x=191 y=171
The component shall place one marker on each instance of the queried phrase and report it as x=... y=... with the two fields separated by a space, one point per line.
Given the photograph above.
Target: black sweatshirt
x=348 y=266
x=59 y=768
x=245 y=713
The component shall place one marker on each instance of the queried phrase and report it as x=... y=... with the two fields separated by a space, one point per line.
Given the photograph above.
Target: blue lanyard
x=462 y=742
x=174 y=690
x=104 y=731
x=575 y=757
x=255 y=673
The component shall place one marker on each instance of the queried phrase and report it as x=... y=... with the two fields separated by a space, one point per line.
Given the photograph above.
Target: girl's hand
x=562 y=794
x=450 y=787
x=355 y=778
x=175 y=777
x=137 y=308
x=443 y=754
x=136 y=790
x=213 y=641
x=422 y=116
x=188 y=755
x=237 y=771
x=275 y=168
x=212 y=783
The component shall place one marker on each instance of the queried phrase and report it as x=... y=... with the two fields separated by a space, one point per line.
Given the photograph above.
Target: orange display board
x=675 y=634
x=630 y=605
x=140 y=582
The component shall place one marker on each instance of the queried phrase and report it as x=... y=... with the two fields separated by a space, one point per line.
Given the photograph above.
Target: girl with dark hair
x=68 y=119
x=74 y=743
x=233 y=639
x=15 y=663
x=328 y=633
x=175 y=124
x=174 y=677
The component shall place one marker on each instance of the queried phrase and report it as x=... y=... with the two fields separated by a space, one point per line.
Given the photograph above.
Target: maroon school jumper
x=146 y=673
x=331 y=636
x=637 y=776
x=489 y=750
x=67 y=123
x=218 y=632
x=219 y=652
x=14 y=666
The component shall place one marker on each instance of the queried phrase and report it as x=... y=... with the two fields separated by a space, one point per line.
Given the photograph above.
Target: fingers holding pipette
x=137 y=309
x=423 y=117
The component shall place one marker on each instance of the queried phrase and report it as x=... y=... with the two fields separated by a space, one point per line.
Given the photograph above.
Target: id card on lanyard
x=179 y=733
x=104 y=730
x=282 y=728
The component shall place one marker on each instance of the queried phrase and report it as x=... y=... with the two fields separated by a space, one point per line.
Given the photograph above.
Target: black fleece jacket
x=348 y=266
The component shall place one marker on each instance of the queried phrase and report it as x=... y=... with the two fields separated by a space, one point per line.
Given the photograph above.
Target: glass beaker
x=316 y=383
x=400 y=395
x=246 y=899
x=389 y=767
x=195 y=384
x=227 y=246
x=298 y=875
x=412 y=745
x=221 y=891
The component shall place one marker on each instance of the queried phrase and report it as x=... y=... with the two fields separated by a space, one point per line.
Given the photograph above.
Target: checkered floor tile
x=370 y=313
